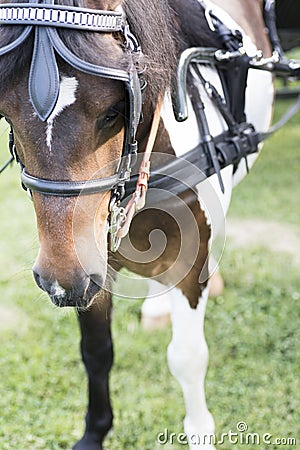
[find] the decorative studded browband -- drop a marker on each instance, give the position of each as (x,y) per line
(60,16)
(43,19)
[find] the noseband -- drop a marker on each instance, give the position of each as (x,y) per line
(43,19)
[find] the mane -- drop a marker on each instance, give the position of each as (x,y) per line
(164,28)
(155,24)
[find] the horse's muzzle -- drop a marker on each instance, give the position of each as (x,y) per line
(80,295)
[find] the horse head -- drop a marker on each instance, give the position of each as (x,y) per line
(73,118)
(81,138)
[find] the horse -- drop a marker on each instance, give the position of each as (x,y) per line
(82,82)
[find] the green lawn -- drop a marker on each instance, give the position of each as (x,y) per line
(252,331)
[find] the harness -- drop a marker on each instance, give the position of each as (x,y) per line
(241,139)
(210,156)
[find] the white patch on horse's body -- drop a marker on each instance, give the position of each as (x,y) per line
(212,201)
(258,108)
(66,97)
(162,307)
(184,136)
(188,360)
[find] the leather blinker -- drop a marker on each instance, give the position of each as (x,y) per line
(44,75)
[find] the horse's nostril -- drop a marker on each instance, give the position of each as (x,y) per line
(78,294)
(37,279)
(42,284)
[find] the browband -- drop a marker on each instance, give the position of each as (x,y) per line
(61,16)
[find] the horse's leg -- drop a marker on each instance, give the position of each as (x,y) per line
(97,355)
(216,283)
(188,359)
(156,307)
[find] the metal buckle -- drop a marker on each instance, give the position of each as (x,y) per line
(209,19)
(117,219)
(130,39)
(260,62)
(222,55)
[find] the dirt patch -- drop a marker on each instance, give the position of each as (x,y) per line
(275,236)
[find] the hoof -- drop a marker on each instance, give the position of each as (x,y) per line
(87,443)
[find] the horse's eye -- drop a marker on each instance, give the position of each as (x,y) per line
(111,116)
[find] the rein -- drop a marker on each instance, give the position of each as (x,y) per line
(5,165)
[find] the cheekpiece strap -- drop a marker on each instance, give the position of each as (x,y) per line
(61,16)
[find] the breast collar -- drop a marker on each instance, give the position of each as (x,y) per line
(43,19)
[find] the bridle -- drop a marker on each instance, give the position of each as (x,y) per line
(43,19)
(211,155)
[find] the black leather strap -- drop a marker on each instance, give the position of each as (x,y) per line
(80,64)
(177,175)
(69,188)
(9,47)
(5,165)
(44,76)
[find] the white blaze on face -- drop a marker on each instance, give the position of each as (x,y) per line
(66,97)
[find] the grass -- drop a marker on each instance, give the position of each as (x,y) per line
(252,331)
(272,190)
